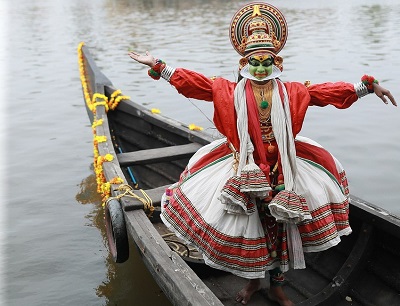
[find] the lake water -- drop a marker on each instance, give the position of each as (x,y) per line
(53,239)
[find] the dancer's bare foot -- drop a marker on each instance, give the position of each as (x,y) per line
(245,294)
(277,294)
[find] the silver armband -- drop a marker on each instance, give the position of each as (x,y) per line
(167,73)
(361,89)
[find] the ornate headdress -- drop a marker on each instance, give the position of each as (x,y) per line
(258,27)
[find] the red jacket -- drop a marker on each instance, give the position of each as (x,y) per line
(221,91)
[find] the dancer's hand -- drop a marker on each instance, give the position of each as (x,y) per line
(382,93)
(147,59)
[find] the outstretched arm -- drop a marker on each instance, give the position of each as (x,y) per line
(188,83)
(146,59)
(382,93)
(343,95)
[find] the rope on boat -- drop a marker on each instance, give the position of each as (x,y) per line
(127,191)
(175,246)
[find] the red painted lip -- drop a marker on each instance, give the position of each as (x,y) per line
(260,74)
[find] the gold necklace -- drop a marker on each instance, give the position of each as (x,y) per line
(263,96)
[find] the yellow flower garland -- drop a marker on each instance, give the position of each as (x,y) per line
(97,99)
(194,127)
(155,111)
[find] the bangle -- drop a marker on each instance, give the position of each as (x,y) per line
(155,71)
(369,81)
(360,89)
(167,73)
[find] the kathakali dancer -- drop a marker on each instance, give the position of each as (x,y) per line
(257,199)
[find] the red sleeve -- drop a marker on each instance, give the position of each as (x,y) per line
(192,84)
(339,94)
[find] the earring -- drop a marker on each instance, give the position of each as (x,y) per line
(243,62)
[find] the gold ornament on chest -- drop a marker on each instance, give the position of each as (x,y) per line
(263,96)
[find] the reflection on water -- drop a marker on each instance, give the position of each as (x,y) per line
(88,191)
(125,282)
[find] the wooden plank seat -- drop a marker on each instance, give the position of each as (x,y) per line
(165,154)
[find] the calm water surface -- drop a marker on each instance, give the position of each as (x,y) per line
(54,247)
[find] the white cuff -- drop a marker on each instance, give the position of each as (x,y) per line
(167,73)
(361,89)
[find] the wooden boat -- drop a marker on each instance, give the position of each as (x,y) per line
(151,151)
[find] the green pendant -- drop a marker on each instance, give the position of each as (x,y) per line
(264,104)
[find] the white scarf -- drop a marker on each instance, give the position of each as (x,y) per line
(246,146)
(282,128)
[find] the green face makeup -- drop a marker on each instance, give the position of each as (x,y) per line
(260,66)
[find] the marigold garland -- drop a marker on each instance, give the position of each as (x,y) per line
(116,97)
(100,138)
(116,180)
(97,122)
(91,101)
(194,127)
(97,99)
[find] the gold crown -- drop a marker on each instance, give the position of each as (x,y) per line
(261,38)
(258,27)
